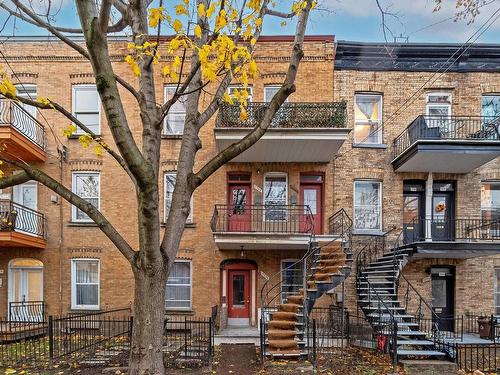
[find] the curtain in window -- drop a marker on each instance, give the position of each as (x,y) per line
(87,283)
(275,194)
(367,205)
(86,187)
(179,286)
(367,119)
(175,119)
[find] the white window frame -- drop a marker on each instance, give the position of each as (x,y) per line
(189,219)
(368,230)
(437,105)
(166,96)
(380,130)
(74,306)
(74,209)
(190,286)
(23,91)
(283,297)
(74,89)
(239,87)
(266,99)
(275,174)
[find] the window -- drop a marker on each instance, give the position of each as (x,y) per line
(490,200)
(86,186)
(27,91)
(368,119)
(291,277)
(275,194)
(169,186)
(175,119)
(438,105)
(269,92)
(86,107)
(85,284)
(490,105)
(367,205)
(231,91)
(178,293)
(496,293)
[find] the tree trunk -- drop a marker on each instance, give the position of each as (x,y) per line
(146,352)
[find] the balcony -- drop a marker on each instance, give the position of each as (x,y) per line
(455,144)
(453,238)
(21,226)
(20,133)
(299,132)
(261,227)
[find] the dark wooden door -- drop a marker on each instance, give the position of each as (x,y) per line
(239,211)
(443,223)
(413,208)
(443,302)
(238,294)
(312,195)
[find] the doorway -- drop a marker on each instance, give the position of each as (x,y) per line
(413,211)
(25,195)
(443,299)
(443,212)
(311,194)
(239,294)
(25,285)
(239,203)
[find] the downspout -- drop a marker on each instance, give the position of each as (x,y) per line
(428,207)
(62,159)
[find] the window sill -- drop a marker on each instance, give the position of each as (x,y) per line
(368,232)
(81,310)
(171,136)
(382,146)
(76,136)
(179,312)
(187,225)
(82,224)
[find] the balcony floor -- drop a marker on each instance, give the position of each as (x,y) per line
(455,249)
(17,144)
(266,241)
(18,239)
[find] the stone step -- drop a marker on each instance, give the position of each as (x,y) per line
(428,367)
(427,353)
(415,342)
(411,333)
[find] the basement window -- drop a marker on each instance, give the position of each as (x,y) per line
(178,293)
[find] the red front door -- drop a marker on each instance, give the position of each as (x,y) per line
(311,195)
(239,214)
(238,294)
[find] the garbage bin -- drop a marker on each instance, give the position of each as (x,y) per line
(484,327)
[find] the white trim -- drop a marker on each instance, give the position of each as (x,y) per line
(165,98)
(17,193)
(74,89)
(266,99)
(74,209)
(74,306)
(276,174)
(380,121)
(380,200)
(190,286)
(189,219)
(437,105)
(253,296)
(10,291)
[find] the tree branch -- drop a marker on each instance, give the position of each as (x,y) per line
(104,15)
(107,228)
(15,179)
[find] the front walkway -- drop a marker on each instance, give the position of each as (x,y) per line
(238,335)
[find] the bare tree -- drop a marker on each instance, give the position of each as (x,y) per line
(219,38)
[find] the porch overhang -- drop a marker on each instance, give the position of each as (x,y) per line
(266,241)
(455,249)
(451,156)
(13,239)
(283,145)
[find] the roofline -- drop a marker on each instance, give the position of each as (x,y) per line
(411,44)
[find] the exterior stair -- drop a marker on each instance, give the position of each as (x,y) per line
(376,285)
(326,266)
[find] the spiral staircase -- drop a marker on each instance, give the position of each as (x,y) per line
(284,321)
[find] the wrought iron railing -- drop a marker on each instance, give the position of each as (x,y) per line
(446,128)
(14,217)
(289,116)
(279,218)
(458,229)
(13,114)
(27,311)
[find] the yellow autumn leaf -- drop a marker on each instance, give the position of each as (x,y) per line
(133,64)
(197,31)
(155,16)
(69,131)
(99,151)
(252,68)
(221,20)
(166,70)
(243,114)
(177,62)
(253,41)
(10,371)
(177,25)
(85,140)
(211,9)
(201,10)
(181,9)
(7,88)
(227,98)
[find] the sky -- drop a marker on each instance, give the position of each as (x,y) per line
(357,20)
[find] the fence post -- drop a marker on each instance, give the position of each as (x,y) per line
(185,337)
(314,342)
(51,337)
(395,345)
(210,342)
(130,328)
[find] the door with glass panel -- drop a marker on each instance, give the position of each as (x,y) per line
(239,294)
(23,120)
(439,122)
(26,290)
(443,224)
(239,209)
(311,196)
(413,211)
(25,198)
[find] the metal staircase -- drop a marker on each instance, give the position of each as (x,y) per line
(405,323)
(284,319)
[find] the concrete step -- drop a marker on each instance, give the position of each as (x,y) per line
(382,308)
(427,353)
(411,333)
(415,342)
(428,367)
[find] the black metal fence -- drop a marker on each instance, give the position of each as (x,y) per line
(15,217)
(90,338)
(13,114)
(271,218)
(27,311)
(472,357)
(471,128)
(290,115)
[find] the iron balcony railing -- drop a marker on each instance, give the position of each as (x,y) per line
(460,229)
(446,128)
(279,218)
(12,114)
(289,116)
(14,217)
(27,311)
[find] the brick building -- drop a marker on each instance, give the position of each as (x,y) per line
(313,162)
